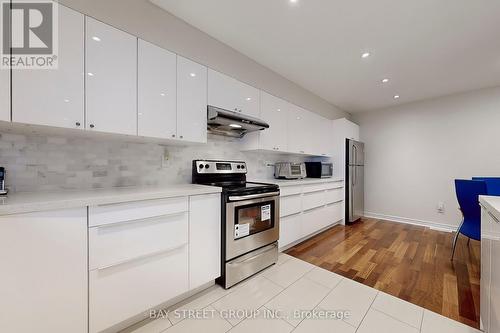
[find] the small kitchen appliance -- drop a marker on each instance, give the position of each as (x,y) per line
(319,170)
(3,190)
(289,170)
(250,219)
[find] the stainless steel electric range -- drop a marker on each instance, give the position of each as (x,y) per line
(250,219)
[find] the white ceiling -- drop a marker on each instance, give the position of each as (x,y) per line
(427,48)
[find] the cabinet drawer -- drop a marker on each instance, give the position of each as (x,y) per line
(314,188)
(290,190)
(332,185)
(290,229)
(334,195)
(111,244)
(120,292)
(335,212)
(116,213)
(313,199)
(291,204)
(313,220)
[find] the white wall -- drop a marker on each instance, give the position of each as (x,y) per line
(415,151)
(145,20)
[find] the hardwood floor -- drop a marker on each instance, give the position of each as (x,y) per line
(409,262)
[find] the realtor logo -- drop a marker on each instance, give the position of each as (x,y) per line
(29,35)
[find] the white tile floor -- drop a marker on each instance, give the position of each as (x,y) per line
(292,285)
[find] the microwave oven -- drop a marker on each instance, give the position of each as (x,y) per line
(319,170)
(289,170)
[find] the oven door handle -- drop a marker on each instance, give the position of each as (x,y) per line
(252,196)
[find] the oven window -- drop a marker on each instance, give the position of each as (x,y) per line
(254,218)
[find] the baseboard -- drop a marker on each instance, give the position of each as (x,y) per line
(422,223)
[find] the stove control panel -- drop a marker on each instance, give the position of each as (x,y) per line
(220,166)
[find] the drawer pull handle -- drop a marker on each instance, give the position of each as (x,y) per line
(144,256)
(145,219)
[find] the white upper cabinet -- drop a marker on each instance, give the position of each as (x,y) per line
(54,97)
(191,101)
(298,136)
(4,95)
(274,112)
(230,94)
(111,79)
(157,91)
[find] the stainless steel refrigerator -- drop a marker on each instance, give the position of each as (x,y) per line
(355,175)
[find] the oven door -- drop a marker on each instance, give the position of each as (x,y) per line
(252,221)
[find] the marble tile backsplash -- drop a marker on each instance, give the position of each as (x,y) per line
(36,162)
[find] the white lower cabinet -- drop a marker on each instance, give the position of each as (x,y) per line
(490,272)
(204,239)
(305,210)
(120,292)
(145,253)
(43,283)
(290,229)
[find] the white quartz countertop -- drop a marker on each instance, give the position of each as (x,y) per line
(296,182)
(492,204)
(25,202)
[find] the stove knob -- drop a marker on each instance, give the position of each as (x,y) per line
(201,166)
(243,166)
(207,166)
(237,167)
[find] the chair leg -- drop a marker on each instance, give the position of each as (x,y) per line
(468,241)
(455,241)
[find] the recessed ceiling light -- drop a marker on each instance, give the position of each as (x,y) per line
(298,118)
(90,74)
(385,80)
(396,96)
(162,94)
(249,98)
(235,125)
(278,110)
(294,1)
(66,100)
(192,74)
(365,55)
(97,39)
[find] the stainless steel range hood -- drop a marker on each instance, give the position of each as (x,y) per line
(230,123)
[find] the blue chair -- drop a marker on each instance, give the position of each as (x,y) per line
(468,192)
(492,184)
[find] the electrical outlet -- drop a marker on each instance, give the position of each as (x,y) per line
(440,207)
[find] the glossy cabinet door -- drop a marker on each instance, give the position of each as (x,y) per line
(191,101)
(230,94)
(157,91)
(111,79)
(297,130)
(485,283)
(54,97)
(274,111)
(4,95)
(44,267)
(204,239)
(495,275)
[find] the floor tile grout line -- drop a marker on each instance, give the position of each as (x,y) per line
(331,290)
(371,304)
(395,318)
